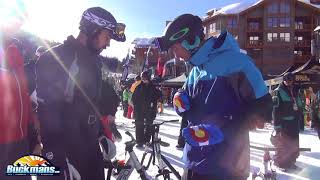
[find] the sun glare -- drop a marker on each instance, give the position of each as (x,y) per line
(54,20)
(11,11)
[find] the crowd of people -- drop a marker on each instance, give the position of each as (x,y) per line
(58,105)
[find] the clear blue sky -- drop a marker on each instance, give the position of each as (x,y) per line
(57,19)
(149,16)
(146,18)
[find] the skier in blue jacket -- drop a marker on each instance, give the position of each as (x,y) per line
(224,96)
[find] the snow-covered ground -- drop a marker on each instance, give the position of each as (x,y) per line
(308,162)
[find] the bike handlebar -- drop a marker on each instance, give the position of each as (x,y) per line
(158,124)
(274,149)
(131,136)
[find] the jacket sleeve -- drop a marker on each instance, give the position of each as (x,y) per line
(51,80)
(109,100)
(254,92)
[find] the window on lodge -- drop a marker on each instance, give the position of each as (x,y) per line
(282,22)
(272,37)
(212,28)
(254,25)
(272,22)
(285,37)
(254,40)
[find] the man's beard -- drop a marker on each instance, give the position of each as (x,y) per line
(92,48)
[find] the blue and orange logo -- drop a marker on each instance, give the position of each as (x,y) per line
(203,135)
(32,165)
(199,134)
(181,102)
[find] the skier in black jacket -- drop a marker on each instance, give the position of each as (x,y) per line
(69,81)
(144,101)
(286,122)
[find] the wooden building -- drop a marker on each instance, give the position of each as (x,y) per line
(275,33)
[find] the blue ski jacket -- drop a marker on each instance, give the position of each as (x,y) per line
(224,88)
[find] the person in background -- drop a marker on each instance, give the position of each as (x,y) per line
(173,92)
(125,99)
(144,100)
(308,98)
(19,130)
(130,106)
(286,123)
(136,83)
(132,89)
(301,110)
(181,141)
(160,102)
(316,113)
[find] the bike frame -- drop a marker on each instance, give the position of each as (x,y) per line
(132,163)
(154,150)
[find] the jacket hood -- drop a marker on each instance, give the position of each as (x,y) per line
(214,46)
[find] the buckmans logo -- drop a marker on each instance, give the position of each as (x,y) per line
(32,165)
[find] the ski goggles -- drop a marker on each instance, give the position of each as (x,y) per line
(118,32)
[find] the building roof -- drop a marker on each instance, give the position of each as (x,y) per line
(234,8)
(143,42)
(237,8)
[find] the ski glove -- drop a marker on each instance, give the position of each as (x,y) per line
(181,102)
(203,135)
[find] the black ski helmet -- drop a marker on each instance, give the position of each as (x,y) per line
(184,27)
(97,18)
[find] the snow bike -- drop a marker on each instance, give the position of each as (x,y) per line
(153,148)
(122,170)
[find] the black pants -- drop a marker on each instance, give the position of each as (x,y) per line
(80,146)
(125,108)
(194,176)
(9,153)
(301,122)
(143,132)
(184,124)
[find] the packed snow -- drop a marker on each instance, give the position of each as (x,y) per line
(308,162)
